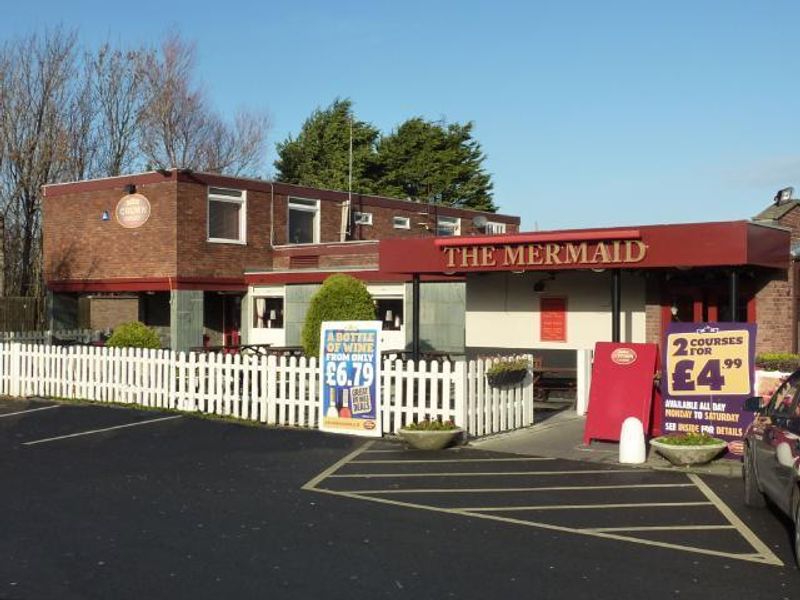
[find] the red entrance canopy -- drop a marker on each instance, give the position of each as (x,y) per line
(731,243)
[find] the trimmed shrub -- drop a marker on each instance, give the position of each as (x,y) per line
(341,298)
(778,362)
(134,335)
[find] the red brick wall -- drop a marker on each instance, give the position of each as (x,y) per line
(197,257)
(173,242)
(774,311)
(78,244)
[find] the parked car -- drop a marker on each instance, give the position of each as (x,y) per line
(772,453)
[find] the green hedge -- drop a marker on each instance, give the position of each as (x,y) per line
(778,362)
(341,298)
(134,335)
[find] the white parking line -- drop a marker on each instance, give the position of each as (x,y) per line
(492,474)
(30,410)
(93,431)
(525,489)
(583,507)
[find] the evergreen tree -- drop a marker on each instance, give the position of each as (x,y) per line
(319,156)
(430,161)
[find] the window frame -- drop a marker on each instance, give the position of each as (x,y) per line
(357,215)
(407,221)
(316,210)
(455,220)
(491,225)
(269,295)
(241,201)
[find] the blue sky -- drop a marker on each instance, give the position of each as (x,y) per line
(591,113)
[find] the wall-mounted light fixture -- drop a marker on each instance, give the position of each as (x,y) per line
(130,188)
(105,216)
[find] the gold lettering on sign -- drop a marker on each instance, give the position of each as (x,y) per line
(635,251)
(535,254)
(467,255)
(513,256)
(450,254)
(576,254)
(601,254)
(487,256)
(552,251)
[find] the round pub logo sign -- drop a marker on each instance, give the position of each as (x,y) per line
(133,211)
(624,356)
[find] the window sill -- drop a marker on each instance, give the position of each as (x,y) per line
(223,241)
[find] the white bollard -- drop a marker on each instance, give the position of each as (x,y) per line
(631,442)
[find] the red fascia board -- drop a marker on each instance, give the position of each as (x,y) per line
(287,277)
(533,238)
(152,284)
(727,243)
(108,183)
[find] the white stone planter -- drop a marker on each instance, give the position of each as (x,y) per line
(688,455)
(429,440)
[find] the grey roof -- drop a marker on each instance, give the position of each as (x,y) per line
(775,212)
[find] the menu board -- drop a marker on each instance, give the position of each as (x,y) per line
(708,374)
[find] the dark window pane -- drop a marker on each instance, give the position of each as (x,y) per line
(223,220)
(301,227)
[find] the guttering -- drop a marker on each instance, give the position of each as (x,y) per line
(530,238)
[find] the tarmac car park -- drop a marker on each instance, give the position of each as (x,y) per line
(103,502)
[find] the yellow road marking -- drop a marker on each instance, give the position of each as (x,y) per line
(763,554)
(491,474)
(447,460)
(560,488)
(311,485)
(663,527)
(734,520)
(582,507)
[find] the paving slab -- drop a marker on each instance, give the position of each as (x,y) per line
(561,436)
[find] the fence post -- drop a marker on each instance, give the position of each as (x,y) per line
(15,359)
(460,379)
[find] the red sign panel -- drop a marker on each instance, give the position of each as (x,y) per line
(622,387)
(553,325)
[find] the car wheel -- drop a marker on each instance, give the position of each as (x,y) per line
(752,495)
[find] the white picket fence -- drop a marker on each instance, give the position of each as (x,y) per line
(83,336)
(269,389)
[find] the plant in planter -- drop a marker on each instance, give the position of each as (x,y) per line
(507,371)
(430,435)
(688,448)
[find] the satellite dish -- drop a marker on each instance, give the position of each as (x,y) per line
(479,221)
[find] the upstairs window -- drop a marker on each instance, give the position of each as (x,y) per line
(226,215)
(362,218)
(493,227)
(448,226)
(303,222)
(401,222)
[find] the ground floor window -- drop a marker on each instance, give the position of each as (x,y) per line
(268,313)
(390,312)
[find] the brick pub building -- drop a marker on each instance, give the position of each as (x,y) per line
(221,260)
(233,260)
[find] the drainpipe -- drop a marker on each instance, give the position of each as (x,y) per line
(615,304)
(734,295)
(415,316)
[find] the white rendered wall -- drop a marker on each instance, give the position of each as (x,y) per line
(503,309)
(390,340)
